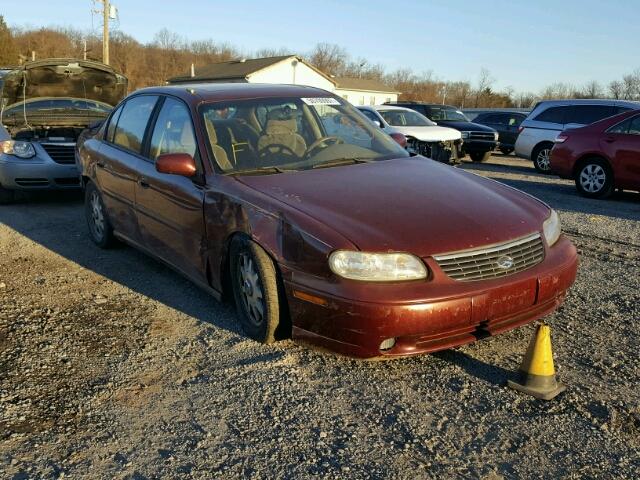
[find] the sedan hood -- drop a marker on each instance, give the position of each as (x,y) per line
(430,134)
(411,205)
(466,126)
(63,77)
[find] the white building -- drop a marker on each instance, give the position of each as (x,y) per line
(291,69)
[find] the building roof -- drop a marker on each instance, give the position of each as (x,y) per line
(363,84)
(237,70)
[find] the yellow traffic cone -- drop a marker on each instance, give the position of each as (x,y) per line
(538,376)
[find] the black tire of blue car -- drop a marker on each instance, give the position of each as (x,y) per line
(6,196)
(594,178)
(100,229)
(479,156)
(506,151)
(255,290)
(541,157)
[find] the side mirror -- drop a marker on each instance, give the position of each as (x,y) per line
(377,123)
(181,164)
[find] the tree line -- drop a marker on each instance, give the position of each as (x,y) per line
(169,54)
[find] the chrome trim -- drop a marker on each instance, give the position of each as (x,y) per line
(482,250)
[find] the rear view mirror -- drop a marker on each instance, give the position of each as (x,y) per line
(181,164)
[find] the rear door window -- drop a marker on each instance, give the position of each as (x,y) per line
(133,121)
(552,115)
(111,129)
(587,114)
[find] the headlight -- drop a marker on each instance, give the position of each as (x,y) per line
(465,134)
(19,149)
(551,228)
(377,267)
(495,136)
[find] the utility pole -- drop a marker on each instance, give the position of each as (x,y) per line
(105,31)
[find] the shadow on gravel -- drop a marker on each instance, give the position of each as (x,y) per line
(56,221)
(484,371)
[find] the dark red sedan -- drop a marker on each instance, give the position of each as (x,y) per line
(602,156)
(318,224)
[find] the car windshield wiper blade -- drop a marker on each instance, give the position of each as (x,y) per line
(341,161)
(258,170)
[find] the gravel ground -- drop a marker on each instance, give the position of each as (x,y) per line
(113,366)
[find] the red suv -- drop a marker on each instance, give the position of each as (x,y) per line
(602,156)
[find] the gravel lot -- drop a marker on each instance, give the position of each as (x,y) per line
(113,366)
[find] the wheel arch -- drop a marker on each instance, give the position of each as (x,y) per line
(592,156)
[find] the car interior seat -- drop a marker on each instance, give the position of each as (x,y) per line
(217,138)
(281,135)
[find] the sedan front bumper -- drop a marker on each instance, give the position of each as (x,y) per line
(36,174)
(467,312)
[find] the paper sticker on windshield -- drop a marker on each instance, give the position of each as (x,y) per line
(321,101)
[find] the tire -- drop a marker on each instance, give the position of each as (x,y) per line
(541,157)
(6,196)
(594,178)
(479,156)
(100,229)
(506,151)
(255,290)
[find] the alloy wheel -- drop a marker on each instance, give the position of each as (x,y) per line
(542,160)
(251,289)
(97,216)
(593,178)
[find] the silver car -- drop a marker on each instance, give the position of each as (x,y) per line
(44,107)
(548,118)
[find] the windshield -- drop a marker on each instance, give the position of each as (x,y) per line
(273,135)
(444,114)
(405,118)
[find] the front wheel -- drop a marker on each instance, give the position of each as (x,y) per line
(100,229)
(479,156)
(542,158)
(594,179)
(255,290)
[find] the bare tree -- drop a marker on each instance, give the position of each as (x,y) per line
(484,86)
(8,50)
(329,58)
(616,89)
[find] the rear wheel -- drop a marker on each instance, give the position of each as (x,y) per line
(479,156)
(506,151)
(6,196)
(100,229)
(255,290)
(542,157)
(594,179)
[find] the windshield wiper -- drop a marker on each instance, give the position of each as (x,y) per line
(341,161)
(259,170)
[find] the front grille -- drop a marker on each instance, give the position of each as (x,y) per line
(61,152)
(483,263)
(482,136)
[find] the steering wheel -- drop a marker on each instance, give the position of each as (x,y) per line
(323,141)
(275,149)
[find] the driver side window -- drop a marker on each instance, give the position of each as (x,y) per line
(173,132)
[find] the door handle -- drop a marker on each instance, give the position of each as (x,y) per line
(143,183)
(609,139)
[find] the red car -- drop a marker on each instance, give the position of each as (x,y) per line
(340,239)
(602,156)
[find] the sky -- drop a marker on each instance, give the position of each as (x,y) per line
(525,44)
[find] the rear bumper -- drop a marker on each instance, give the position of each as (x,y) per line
(357,328)
(562,161)
(37,174)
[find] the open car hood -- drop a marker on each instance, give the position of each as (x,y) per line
(63,77)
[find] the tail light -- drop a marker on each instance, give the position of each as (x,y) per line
(561,138)
(520,129)
(400,138)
